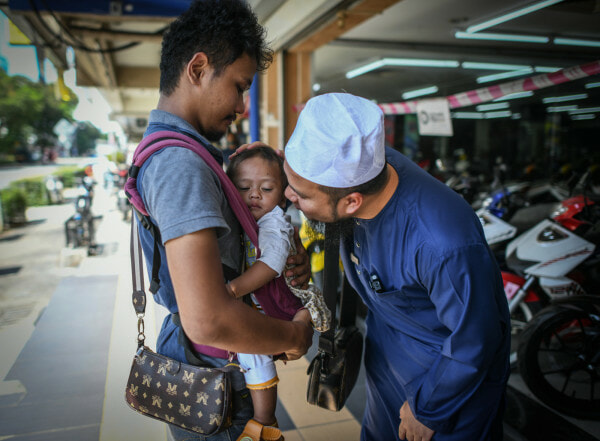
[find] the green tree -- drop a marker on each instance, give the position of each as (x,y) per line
(86,135)
(29,110)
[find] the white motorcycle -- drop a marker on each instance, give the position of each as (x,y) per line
(559,346)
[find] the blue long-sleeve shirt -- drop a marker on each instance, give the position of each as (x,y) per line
(440,327)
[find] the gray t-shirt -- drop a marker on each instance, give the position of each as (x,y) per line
(183,195)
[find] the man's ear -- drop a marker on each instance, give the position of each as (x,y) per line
(196,69)
(350,203)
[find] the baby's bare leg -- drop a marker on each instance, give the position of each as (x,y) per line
(264,401)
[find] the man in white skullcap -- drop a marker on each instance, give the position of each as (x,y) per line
(438,326)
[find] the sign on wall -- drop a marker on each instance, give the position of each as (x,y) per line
(434,117)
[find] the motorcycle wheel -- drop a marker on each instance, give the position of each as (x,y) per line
(559,360)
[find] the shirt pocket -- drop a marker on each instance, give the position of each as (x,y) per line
(393,299)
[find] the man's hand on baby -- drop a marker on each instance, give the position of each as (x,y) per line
(299,264)
(305,332)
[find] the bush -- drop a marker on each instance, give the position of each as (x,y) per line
(35,190)
(69,175)
(14,204)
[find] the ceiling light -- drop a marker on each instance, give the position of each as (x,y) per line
(316,87)
(467,115)
(485,107)
(592,85)
(577,42)
(516,116)
(419,63)
(500,76)
(562,99)
(588,110)
(560,108)
(414,62)
(512,15)
(419,92)
(513,96)
(502,37)
(584,116)
(502,114)
(493,66)
(546,69)
(364,69)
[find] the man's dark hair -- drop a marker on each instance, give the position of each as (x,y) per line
(223,29)
(369,187)
(264,152)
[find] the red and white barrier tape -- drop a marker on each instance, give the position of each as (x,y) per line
(499,90)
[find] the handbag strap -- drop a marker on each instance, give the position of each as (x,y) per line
(348,297)
(138,295)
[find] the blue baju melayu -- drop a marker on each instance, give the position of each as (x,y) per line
(438,329)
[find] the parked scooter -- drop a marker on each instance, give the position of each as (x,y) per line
(123,203)
(79,228)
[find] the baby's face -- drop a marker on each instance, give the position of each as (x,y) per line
(259,183)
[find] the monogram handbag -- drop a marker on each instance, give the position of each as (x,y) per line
(333,372)
(192,397)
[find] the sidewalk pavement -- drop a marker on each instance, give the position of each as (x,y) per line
(68,336)
(65,364)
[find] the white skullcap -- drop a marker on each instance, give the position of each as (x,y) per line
(338,141)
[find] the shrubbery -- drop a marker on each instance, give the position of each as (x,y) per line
(32,192)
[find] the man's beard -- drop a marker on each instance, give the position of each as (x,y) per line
(213,135)
(339,228)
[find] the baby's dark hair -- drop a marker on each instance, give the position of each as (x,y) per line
(223,29)
(264,152)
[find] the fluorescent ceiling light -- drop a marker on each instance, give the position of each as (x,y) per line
(467,115)
(419,63)
(561,108)
(502,37)
(419,92)
(585,116)
(493,66)
(364,69)
(512,15)
(502,114)
(577,42)
(592,85)
(513,96)
(562,99)
(546,69)
(588,110)
(500,76)
(486,107)
(414,62)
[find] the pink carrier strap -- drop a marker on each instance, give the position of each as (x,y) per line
(269,296)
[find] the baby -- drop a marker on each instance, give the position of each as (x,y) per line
(259,177)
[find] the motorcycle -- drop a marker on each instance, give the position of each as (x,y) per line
(79,228)
(553,268)
(123,204)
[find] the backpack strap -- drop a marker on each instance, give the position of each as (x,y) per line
(166,138)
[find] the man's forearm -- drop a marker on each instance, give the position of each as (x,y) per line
(210,316)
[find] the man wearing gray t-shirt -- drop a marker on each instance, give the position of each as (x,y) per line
(209,57)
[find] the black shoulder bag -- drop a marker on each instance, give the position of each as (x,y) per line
(334,370)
